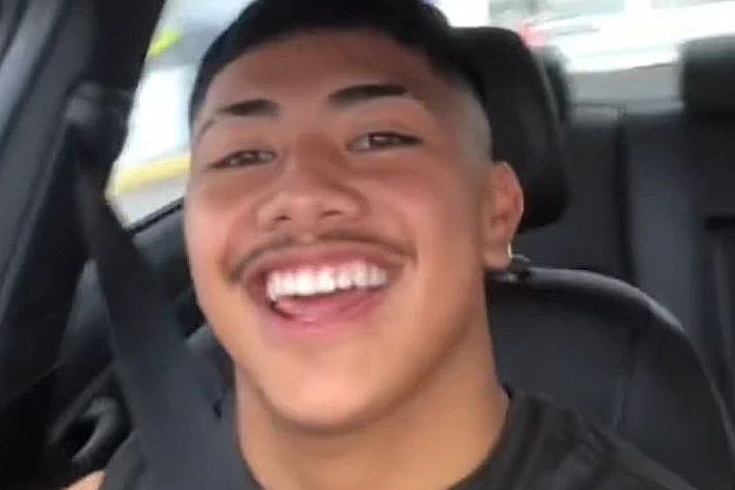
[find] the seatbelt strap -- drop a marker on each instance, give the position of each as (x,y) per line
(187,445)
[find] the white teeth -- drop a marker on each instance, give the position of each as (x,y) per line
(376,276)
(325,280)
(305,284)
(288,283)
(273,286)
(344,278)
(360,275)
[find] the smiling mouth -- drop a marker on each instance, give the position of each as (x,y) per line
(318,296)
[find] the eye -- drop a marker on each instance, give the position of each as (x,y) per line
(244,158)
(383,141)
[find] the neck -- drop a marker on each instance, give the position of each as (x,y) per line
(434,439)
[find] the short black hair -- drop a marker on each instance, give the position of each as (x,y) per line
(413,23)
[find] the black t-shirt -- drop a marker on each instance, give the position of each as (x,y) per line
(545,447)
(542,448)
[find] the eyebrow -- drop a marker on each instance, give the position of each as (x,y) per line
(243,108)
(358,94)
(341,99)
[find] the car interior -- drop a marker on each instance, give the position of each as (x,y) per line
(620,303)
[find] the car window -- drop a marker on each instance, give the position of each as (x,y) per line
(152,169)
(591,36)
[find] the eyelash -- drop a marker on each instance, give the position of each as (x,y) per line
(235,160)
(393,138)
(382,140)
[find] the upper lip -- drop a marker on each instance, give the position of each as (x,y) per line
(320,254)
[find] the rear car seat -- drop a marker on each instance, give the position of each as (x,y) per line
(650,201)
(682,206)
(598,345)
(592,343)
(591,235)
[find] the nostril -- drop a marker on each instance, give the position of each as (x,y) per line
(305,206)
(281,218)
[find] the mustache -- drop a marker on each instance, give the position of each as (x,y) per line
(293,241)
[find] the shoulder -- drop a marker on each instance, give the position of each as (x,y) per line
(591,456)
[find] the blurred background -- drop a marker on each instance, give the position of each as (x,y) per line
(596,39)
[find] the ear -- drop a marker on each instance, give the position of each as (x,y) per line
(502,212)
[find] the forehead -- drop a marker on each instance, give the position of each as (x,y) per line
(303,64)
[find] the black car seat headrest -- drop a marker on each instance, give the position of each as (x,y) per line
(708,75)
(554,68)
(526,129)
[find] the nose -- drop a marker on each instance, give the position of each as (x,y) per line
(311,188)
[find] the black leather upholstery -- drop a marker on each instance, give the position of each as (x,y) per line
(552,63)
(606,350)
(708,75)
(591,235)
(666,226)
(524,121)
(647,186)
(681,174)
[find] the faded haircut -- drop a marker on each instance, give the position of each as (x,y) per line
(413,23)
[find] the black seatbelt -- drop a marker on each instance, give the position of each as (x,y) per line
(170,393)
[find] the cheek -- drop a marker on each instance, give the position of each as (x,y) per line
(209,220)
(208,240)
(202,254)
(439,209)
(218,219)
(440,212)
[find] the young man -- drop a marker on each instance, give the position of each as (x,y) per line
(342,210)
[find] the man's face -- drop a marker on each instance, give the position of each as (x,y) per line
(341,210)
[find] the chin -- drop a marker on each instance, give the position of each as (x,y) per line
(327,416)
(324,410)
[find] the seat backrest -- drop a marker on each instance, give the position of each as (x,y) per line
(651,199)
(609,352)
(591,235)
(682,207)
